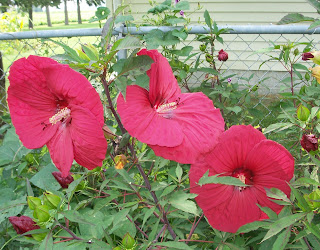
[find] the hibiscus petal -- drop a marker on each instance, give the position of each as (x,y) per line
(269,158)
(89,143)
(142,121)
(73,87)
(61,149)
(233,148)
(30,103)
(201,123)
(163,84)
(260,183)
(226,207)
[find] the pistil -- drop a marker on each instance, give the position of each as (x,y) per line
(61,115)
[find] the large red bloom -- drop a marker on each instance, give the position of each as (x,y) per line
(177,126)
(242,152)
(52,104)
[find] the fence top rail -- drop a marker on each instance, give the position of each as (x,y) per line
(193,29)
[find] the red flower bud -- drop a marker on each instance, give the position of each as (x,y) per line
(223,56)
(23,224)
(309,142)
(306,56)
(63,181)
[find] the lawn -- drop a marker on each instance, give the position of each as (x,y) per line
(57,20)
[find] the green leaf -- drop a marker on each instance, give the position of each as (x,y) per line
(102,13)
(69,51)
(314,25)
(182,34)
(174,245)
(185,51)
(277,194)
(75,216)
(306,181)
(176,20)
(122,19)
(216,179)
(128,42)
(253,226)
(235,109)
(294,18)
(168,190)
(182,5)
(282,240)
(91,52)
(207,19)
(156,38)
(179,172)
(142,63)
(47,243)
(301,200)
(120,9)
(44,179)
(181,201)
(147,215)
(271,214)
(278,127)
(208,70)
(315,4)
(282,223)
(160,7)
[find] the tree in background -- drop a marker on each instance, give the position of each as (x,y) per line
(47,4)
(90,3)
(66,19)
(5,4)
(26,5)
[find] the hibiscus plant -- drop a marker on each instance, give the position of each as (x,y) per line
(104,152)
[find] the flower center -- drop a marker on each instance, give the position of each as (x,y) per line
(60,116)
(244,175)
(166,107)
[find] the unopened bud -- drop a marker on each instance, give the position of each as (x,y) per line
(42,213)
(303,113)
(51,200)
(309,142)
(23,224)
(222,56)
(33,202)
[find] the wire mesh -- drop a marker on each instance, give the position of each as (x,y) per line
(243,62)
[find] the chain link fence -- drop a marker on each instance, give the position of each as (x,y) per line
(249,68)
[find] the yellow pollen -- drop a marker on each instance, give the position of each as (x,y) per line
(242,178)
(62,114)
(167,107)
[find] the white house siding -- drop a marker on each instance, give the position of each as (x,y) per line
(248,12)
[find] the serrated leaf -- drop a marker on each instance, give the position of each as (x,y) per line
(253,226)
(207,19)
(282,223)
(307,181)
(140,62)
(216,179)
(294,18)
(147,215)
(122,19)
(75,216)
(282,240)
(179,172)
(185,51)
(277,194)
(128,42)
(278,127)
(271,214)
(44,178)
(47,243)
(181,201)
(182,5)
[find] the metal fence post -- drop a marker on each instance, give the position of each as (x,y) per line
(122,54)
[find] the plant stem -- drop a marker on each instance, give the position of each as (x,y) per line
(144,176)
(75,237)
(193,228)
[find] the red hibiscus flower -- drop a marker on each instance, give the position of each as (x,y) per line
(177,126)
(23,224)
(52,104)
(242,152)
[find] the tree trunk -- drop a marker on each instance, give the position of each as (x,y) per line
(48,16)
(66,19)
(30,11)
(79,12)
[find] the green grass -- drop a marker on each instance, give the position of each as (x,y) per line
(57,20)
